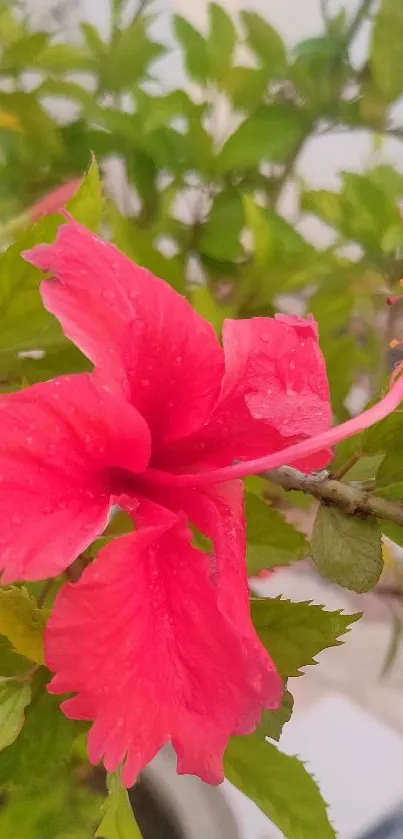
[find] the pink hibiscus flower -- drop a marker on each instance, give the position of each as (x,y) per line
(155,640)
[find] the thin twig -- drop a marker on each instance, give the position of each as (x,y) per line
(45,591)
(362,13)
(347,466)
(346,496)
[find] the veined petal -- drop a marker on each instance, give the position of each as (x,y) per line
(144,339)
(218,512)
(274,393)
(58,442)
(158,659)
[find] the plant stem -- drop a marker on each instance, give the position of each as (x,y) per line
(348,497)
(362,12)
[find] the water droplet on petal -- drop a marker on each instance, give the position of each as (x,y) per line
(29,440)
(16,520)
(292,365)
(145,382)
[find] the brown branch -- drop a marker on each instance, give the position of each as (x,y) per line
(348,497)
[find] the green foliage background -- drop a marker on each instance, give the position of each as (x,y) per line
(232,234)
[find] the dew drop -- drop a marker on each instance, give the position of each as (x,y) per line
(133,295)
(292,365)
(145,382)
(29,440)
(16,520)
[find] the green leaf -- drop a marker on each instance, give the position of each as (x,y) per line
(41,131)
(14,698)
(86,206)
(266,43)
(245,86)
(22,622)
(118,820)
(194,47)
(61,58)
(45,741)
(25,323)
(273,722)
(280,786)
(368,212)
(20,53)
(129,58)
(261,229)
(139,246)
(390,470)
(66,90)
(293,633)
(93,40)
(220,42)
(269,135)
(203,301)
(324,204)
(271,541)
(346,549)
(220,237)
(386,51)
(385,436)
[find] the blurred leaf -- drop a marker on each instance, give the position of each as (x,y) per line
(388,179)
(93,39)
(273,722)
(139,246)
(293,633)
(221,232)
(22,622)
(118,818)
(194,48)
(129,58)
(269,135)
(324,204)
(21,52)
(40,128)
(386,51)
(45,740)
(280,786)
(25,323)
(62,809)
(14,698)
(61,58)
(265,42)
(220,41)
(367,211)
(271,541)
(67,90)
(261,229)
(245,86)
(347,550)
(203,301)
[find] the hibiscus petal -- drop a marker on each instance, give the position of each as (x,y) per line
(142,336)
(274,393)
(218,512)
(58,440)
(158,658)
